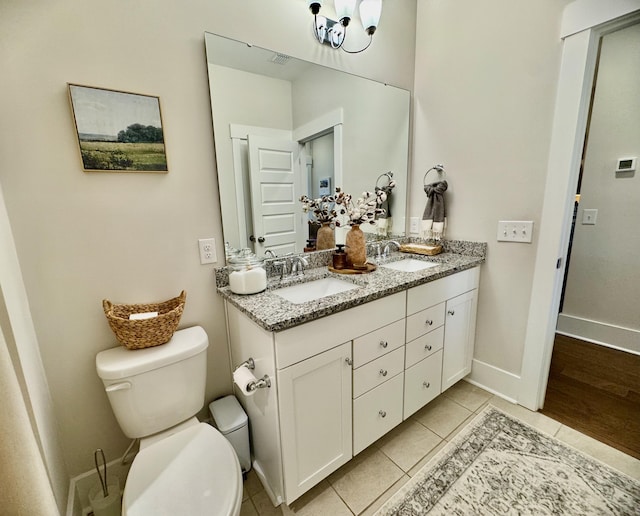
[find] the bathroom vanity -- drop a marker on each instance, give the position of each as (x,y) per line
(347,368)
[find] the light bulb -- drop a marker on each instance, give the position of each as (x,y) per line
(370,11)
(344,10)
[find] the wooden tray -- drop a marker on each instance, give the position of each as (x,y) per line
(370,268)
(428,250)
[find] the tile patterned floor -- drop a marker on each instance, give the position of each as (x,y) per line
(362,485)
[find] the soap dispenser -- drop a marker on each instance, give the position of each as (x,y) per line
(339,258)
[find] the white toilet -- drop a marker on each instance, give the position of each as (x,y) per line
(183,466)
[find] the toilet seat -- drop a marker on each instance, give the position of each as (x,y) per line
(194,471)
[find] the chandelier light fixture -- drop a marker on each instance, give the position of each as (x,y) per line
(334,33)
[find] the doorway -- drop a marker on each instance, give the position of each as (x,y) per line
(594,378)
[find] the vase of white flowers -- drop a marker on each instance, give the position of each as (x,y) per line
(322,210)
(361,211)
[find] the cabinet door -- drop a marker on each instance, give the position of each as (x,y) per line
(315,418)
(459,338)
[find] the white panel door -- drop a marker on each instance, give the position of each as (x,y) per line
(276,186)
(459,338)
(315,418)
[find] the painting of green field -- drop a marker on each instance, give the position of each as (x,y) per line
(97,155)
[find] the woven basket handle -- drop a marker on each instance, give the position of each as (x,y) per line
(106,305)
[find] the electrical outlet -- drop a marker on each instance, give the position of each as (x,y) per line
(207,247)
(515,231)
(414,225)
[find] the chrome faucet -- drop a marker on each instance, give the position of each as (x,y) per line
(378,251)
(281,265)
(387,250)
(298,263)
(270,253)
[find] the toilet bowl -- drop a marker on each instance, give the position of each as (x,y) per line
(184,467)
(194,471)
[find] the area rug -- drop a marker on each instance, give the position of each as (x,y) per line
(499,465)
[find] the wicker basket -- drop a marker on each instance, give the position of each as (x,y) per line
(145,333)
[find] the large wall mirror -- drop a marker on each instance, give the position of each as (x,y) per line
(284,127)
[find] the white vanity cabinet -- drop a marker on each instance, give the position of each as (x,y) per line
(341,382)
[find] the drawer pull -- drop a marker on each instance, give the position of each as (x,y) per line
(429,322)
(348,361)
(382,413)
(426,385)
(451,312)
(428,347)
(383,372)
(384,343)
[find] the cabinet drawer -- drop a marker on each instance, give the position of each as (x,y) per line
(422,383)
(378,371)
(429,294)
(424,321)
(377,412)
(424,346)
(377,343)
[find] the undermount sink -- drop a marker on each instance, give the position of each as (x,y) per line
(312,290)
(409,265)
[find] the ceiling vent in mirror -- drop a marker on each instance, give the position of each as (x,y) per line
(280,59)
(334,33)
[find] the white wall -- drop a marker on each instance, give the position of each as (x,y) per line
(83,237)
(485,87)
(603,280)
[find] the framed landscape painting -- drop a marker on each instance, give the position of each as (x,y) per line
(118,131)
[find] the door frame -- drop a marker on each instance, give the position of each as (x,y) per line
(584,22)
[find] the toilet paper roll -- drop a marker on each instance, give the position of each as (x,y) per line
(243,377)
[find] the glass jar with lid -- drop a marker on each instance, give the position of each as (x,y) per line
(246,273)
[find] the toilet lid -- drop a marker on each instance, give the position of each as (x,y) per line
(194,471)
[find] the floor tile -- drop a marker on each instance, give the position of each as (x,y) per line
(321,500)
(408,443)
(247,508)
(425,460)
(385,496)
(467,395)
(252,484)
(535,419)
(263,505)
(362,480)
(600,451)
(442,416)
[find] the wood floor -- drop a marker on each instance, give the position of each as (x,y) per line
(596,390)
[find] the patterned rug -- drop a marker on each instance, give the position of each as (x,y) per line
(499,465)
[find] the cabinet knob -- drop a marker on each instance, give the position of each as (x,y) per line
(383,372)
(428,347)
(426,385)
(384,343)
(428,322)
(451,312)
(382,413)
(348,361)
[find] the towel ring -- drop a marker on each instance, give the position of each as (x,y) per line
(439,169)
(388,175)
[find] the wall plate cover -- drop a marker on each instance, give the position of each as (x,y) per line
(207,248)
(589,217)
(515,231)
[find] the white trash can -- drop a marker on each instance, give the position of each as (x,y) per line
(232,422)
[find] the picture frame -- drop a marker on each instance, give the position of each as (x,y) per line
(118,131)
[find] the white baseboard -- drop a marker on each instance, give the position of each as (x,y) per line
(495,380)
(79,486)
(596,332)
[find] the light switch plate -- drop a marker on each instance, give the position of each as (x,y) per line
(207,247)
(515,231)
(414,225)
(589,217)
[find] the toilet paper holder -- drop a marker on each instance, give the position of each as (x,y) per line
(262,383)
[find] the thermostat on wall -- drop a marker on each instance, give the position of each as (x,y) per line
(626,165)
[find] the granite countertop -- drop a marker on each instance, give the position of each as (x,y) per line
(274,313)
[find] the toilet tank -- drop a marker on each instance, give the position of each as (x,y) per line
(153,389)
